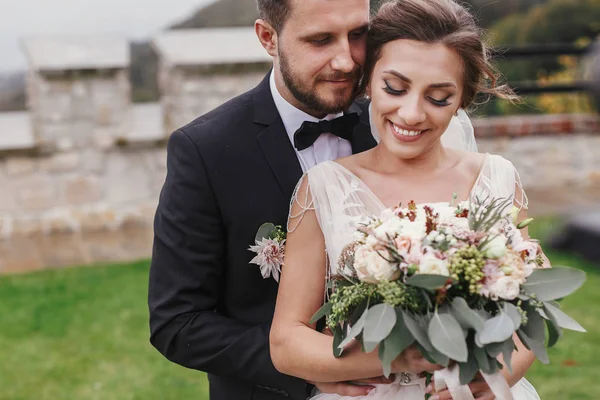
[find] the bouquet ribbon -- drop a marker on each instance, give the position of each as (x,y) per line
(449,378)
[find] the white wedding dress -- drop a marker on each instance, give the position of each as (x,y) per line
(341,201)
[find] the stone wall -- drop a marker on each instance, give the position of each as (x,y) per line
(188,92)
(548,161)
(79,108)
(90,182)
(80,191)
(558,150)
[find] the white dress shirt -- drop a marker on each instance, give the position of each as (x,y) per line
(326,147)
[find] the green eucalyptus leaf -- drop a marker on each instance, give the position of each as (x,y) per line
(554,332)
(338,337)
(534,345)
(554,283)
(468,370)
(561,319)
(355,330)
(496,330)
(265,231)
(397,341)
(483,361)
(513,312)
(507,352)
(418,325)
(358,311)
(447,337)
(379,322)
(321,312)
(533,334)
(429,282)
(467,317)
(495,349)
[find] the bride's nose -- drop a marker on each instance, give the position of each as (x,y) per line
(411,111)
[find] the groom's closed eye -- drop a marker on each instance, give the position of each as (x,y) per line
(358,33)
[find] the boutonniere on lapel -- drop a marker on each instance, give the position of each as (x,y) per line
(269,247)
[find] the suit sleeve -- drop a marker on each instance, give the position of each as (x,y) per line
(186,274)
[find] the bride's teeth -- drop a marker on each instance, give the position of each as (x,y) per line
(405,132)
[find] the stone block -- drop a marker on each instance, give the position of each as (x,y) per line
(59,222)
(35,193)
(127,178)
(6,226)
(104,138)
(62,250)
(82,190)
(7,192)
(19,166)
(19,255)
(55,106)
(93,160)
(26,226)
(60,162)
(96,219)
(64,136)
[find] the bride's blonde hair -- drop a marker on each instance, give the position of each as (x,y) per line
(437,21)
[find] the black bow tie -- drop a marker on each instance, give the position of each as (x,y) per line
(309,132)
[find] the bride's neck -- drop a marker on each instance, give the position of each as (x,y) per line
(390,163)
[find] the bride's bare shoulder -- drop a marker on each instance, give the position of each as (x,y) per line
(469,163)
(353,162)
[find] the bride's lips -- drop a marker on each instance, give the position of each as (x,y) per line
(404,134)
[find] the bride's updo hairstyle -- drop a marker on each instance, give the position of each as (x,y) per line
(437,21)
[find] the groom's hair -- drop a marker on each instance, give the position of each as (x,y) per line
(275,12)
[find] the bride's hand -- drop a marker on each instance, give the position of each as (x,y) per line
(412,361)
(351,389)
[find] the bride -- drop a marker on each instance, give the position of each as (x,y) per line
(426,60)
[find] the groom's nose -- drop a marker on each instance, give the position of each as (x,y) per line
(342,60)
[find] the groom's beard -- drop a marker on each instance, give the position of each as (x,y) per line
(309,96)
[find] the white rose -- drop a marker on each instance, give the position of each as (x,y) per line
(372,268)
(496,248)
(391,227)
(432,265)
(415,230)
(380,269)
(506,288)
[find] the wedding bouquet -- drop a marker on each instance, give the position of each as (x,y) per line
(456,280)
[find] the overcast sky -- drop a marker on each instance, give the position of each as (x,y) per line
(132,18)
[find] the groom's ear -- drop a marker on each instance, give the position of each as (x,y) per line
(267,36)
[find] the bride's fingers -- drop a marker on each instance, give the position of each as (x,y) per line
(348,389)
(375,381)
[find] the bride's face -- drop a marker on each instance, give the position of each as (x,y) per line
(415,90)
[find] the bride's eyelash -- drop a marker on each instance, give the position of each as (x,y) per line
(440,103)
(388,89)
(394,92)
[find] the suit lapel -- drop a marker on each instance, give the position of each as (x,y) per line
(274,142)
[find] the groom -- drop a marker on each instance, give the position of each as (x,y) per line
(235,168)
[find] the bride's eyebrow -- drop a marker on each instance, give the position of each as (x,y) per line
(397,75)
(440,85)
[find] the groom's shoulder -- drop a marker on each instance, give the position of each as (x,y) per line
(223,120)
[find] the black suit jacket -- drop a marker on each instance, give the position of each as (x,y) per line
(228,172)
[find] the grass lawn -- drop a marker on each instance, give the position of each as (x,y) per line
(82,333)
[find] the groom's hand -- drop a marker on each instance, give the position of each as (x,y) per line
(352,389)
